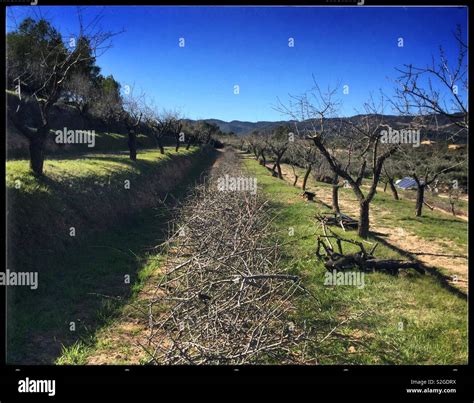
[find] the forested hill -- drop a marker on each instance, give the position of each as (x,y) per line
(440,125)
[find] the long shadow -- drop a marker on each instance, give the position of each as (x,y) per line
(443,279)
(68,307)
(81,183)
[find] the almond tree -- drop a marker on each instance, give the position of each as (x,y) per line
(359,137)
(388,176)
(429,94)
(252,143)
(176,129)
(278,141)
(437,89)
(130,116)
(258,146)
(307,156)
(39,63)
(192,134)
(427,164)
(207,130)
(158,124)
(262,147)
(293,158)
(80,93)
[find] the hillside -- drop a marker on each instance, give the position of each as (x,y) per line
(441,126)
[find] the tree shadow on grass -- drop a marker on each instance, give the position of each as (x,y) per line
(73,300)
(442,279)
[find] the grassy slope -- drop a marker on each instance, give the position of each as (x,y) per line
(433,321)
(104,142)
(78,192)
(91,167)
(69,280)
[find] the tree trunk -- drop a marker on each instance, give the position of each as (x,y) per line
(393,189)
(335,199)
(132,144)
(452,208)
(420,197)
(306,176)
(280,175)
(37,151)
(160,145)
(296,177)
(335,194)
(363,227)
(385,187)
(190,141)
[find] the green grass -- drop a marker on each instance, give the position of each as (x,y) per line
(85,193)
(71,287)
(74,280)
(106,142)
(433,225)
(92,167)
(434,321)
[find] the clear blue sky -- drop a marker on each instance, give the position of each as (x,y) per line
(248,46)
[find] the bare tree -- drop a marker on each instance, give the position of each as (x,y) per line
(131,115)
(389,173)
(278,141)
(307,156)
(176,128)
(261,146)
(159,125)
(252,141)
(40,64)
(429,94)
(426,164)
(192,134)
(293,158)
(360,137)
(439,89)
(80,93)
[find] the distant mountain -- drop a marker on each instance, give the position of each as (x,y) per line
(241,128)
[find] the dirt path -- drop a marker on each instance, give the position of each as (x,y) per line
(430,253)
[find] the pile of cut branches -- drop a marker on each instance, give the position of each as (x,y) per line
(364,260)
(227,299)
(339,219)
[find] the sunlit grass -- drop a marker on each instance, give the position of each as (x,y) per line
(405,319)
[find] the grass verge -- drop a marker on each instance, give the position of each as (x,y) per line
(84,284)
(406,319)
